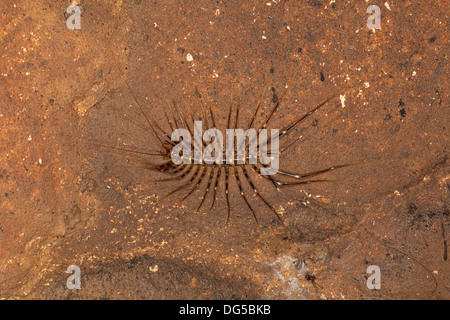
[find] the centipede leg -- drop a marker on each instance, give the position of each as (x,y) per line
(210,179)
(241,191)
(249,180)
(182,170)
(216,182)
(196,171)
(202,174)
(227,194)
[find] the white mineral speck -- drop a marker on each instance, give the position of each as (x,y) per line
(342,98)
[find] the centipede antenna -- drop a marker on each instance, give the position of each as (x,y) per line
(183,119)
(191,116)
(205,116)
(168,120)
(199,96)
(173,115)
(134,121)
(210,110)
(142,160)
(139,166)
(169,139)
(185,122)
(136,158)
(125,150)
(148,119)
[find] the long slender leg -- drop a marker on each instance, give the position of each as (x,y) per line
(282,183)
(291,144)
(210,179)
(277,105)
(178,168)
(217,179)
(247,176)
(280,100)
(241,191)
(183,119)
(186,184)
(199,180)
(279,183)
(258,105)
(303,201)
(227,193)
(185,122)
(205,117)
(219,171)
(318,172)
(306,115)
(183,169)
(290,126)
(237,109)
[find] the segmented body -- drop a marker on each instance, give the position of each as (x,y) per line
(192,174)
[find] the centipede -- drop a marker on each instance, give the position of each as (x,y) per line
(213,179)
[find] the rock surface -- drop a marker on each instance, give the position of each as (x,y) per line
(66,201)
